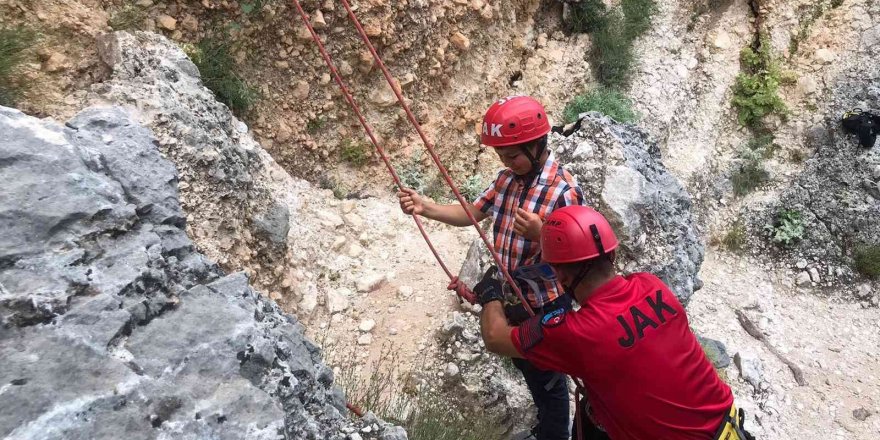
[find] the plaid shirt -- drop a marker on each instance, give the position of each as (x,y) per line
(553,188)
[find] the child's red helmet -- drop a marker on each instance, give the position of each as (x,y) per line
(514,120)
(576,233)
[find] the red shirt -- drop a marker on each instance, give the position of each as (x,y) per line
(645,375)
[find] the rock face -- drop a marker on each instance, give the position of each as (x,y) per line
(622,175)
(838,193)
(111,325)
(234,213)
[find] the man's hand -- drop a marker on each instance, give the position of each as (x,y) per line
(411,202)
(527,224)
(489,289)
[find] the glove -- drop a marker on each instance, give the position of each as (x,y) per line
(489,289)
(462,290)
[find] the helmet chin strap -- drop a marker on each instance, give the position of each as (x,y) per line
(585,270)
(535,159)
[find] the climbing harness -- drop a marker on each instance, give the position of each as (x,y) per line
(350,99)
(733,426)
(865,125)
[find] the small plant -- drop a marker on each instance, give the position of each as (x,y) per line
(412,176)
(603,100)
(756,90)
(867,259)
(14,42)
(315,124)
(129,17)
(735,239)
(472,187)
(213,58)
(354,153)
(749,172)
(763,145)
(787,227)
(253,6)
(797,155)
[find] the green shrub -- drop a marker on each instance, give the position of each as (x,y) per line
(128,17)
(787,227)
(213,58)
(412,176)
(735,239)
(14,42)
(868,260)
(756,90)
(355,153)
(603,100)
(748,173)
(587,16)
(472,187)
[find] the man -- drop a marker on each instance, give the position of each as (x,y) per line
(628,347)
(531,186)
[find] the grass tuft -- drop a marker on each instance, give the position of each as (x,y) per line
(603,100)
(587,16)
(213,58)
(14,42)
(735,239)
(867,259)
(128,17)
(749,173)
(425,412)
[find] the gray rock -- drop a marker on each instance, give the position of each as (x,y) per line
(111,326)
(802,278)
(836,193)
(274,223)
(622,175)
(861,414)
(394,433)
(715,351)
(750,369)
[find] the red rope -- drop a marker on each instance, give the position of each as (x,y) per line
(368,129)
(435,158)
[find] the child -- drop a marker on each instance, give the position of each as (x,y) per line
(531,186)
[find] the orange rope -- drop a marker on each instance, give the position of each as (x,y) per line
(436,159)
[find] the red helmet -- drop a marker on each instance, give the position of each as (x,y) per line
(514,120)
(576,233)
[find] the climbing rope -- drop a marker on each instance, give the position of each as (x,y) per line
(430,148)
(348,97)
(412,119)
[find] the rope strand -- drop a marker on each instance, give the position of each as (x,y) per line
(435,158)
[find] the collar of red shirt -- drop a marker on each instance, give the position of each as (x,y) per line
(612,286)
